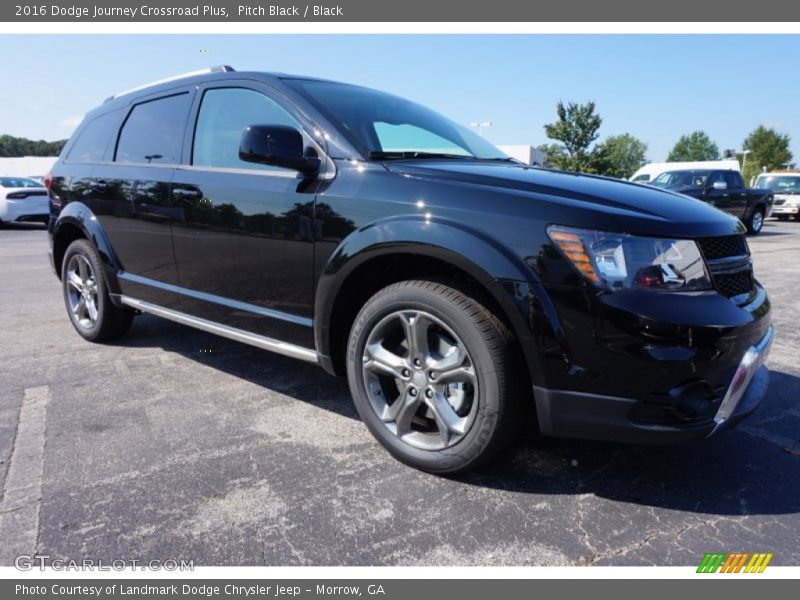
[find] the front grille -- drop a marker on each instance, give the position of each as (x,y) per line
(778,201)
(723,247)
(730,277)
(734,284)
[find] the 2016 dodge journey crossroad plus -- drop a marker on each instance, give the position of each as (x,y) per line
(464,295)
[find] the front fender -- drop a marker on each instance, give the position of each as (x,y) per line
(77,214)
(487,261)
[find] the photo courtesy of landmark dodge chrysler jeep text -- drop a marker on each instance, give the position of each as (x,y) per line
(463,294)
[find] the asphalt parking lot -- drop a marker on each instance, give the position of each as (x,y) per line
(174,444)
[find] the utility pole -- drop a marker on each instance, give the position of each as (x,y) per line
(479,125)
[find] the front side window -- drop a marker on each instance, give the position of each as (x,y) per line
(718,178)
(681,179)
(153,131)
(224,115)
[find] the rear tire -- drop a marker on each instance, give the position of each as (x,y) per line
(433,376)
(85,290)
(756,221)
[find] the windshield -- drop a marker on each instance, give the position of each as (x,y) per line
(680,179)
(19,182)
(383,126)
(780,184)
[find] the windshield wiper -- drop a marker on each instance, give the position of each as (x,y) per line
(399,155)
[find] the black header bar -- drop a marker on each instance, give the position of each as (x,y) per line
(443,11)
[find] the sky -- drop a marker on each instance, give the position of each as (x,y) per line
(655,87)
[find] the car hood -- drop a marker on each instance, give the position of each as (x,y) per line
(652,209)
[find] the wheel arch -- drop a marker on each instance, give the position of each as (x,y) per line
(77,221)
(401,248)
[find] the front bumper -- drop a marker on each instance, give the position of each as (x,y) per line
(584,415)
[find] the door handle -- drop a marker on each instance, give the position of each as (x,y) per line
(187,193)
(101,185)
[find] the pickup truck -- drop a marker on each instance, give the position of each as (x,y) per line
(723,189)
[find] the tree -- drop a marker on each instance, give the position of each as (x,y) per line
(575,129)
(695,146)
(16,146)
(619,156)
(750,169)
(768,148)
(553,154)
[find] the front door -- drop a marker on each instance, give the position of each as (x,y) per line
(244,245)
(726,192)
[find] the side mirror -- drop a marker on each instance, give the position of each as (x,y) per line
(719,185)
(276,145)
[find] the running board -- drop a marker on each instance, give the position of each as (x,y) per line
(238,335)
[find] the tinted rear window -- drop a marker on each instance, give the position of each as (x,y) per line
(93,139)
(19,182)
(153,131)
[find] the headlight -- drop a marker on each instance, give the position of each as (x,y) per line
(617,261)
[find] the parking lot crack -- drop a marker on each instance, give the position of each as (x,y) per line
(22,491)
(584,534)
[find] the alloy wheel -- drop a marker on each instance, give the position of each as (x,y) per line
(758,221)
(82,291)
(420,379)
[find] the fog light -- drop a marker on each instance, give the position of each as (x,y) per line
(693,400)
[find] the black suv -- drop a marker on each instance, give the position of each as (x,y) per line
(454,287)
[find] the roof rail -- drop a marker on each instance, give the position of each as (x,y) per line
(217,69)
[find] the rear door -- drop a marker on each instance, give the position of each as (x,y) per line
(133,195)
(244,247)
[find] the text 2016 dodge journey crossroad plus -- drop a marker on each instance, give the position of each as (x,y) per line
(453,286)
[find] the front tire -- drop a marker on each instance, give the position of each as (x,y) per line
(432,373)
(756,221)
(85,289)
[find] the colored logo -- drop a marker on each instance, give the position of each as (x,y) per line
(736,562)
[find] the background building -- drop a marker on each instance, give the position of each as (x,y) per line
(527,154)
(26,166)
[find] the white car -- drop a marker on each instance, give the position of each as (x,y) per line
(786,187)
(23,200)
